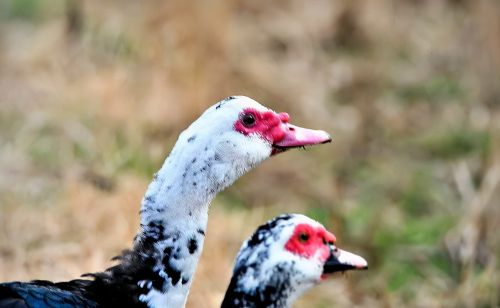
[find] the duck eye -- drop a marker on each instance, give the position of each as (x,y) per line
(303,237)
(248,120)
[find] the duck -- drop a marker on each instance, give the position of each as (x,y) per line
(229,139)
(284,258)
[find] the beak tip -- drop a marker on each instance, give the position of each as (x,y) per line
(362,263)
(328,140)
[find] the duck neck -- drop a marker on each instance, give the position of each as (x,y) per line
(267,290)
(178,196)
(174,216)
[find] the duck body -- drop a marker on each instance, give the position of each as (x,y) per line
(42,293)
(226,141)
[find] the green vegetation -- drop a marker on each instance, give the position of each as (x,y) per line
(93,94)
(455,144)
(434,90)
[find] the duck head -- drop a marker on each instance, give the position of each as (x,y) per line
(235,135)
(282,259)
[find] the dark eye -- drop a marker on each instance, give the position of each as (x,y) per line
(303,237)
(248,120)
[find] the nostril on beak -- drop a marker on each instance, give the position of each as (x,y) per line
(291,128)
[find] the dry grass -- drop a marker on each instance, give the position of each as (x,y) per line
(92,98)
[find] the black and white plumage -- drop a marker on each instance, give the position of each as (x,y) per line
(283,258)
(225,142)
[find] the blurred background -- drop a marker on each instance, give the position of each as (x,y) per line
(93,94)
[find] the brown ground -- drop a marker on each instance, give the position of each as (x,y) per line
(94,93)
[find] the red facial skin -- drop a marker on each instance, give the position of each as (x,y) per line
(317,242)
(267,124)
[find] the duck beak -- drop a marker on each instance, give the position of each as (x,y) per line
(296,137)
(341,260)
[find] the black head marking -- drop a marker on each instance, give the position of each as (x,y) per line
(192,138)
(200,231)
(221,103)
(266,229)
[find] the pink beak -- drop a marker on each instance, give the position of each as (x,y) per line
(296,136)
